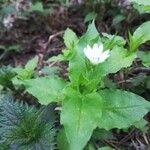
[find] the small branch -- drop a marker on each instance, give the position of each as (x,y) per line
(53,36)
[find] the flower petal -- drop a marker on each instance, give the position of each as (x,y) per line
(104,56)
(88,51)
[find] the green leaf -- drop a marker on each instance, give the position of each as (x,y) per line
(28,71)
(142,33)
(62,140)
(60,57)
(38,6)
(51,71)
(32,64)
(121,109)
(119,58)
(90,16)
(113,40)
(45,89)
(80,116)
(142,125)
(102,134)
(70,38)
(90,35)
(145,57)
(117,19)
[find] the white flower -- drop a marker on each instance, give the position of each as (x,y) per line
(96,54)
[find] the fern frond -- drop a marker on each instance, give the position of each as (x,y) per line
(26,127)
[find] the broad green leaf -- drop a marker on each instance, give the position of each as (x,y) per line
(45,89)
(80,117)
(121,109)
(142,33)
(145,57)
(119,58)
(70,38)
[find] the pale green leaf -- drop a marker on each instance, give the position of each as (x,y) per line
(142,125)
(142,33)
(70,38)
(145,57)
(27,72)
(119,58)
(60,57)
(45,89)
(90,16)
(80,117)
(32,64)
(121,109)
(89,36)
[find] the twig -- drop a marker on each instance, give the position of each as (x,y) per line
(111,144)
(53,36)
(131,133)
(145,139)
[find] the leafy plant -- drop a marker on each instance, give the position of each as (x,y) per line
(25,73)
(6,74)
(23,127)
(86,104)
(145,57)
